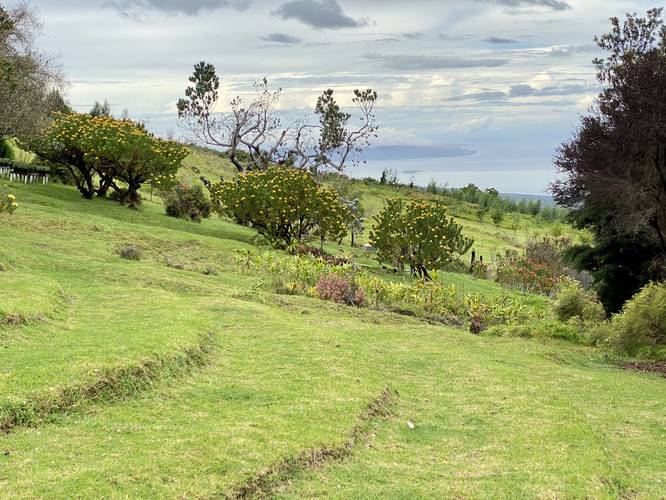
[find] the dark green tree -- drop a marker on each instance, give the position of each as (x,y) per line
(615,164)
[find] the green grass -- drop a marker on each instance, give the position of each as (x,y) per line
(289,377)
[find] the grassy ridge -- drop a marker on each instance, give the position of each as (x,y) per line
(493,417)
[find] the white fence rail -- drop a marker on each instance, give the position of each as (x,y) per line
(8,173)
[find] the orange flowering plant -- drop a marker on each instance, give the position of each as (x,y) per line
(419,235)
(285,205)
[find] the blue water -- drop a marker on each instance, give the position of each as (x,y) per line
(520,177)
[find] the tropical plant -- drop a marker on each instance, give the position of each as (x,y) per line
(419,235)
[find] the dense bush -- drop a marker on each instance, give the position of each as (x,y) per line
(287,206)
(340,289)
(539,269)
(527,275)
(571,301)
(642,324)
(548,250)
(186,202)
(103,153)
(418,235)
(570,331)
(8,203)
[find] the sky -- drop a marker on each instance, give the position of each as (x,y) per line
(469,90)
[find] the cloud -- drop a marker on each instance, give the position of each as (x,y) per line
(424,62)
(324,14)
(523,90)
(569,50)
(557,5)
(135,8)
(412,35)
(497,40)
(486,95)
(281,38)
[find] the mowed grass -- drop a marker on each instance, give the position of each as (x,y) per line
(492,417)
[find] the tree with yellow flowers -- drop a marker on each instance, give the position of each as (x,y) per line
(418,235)
(285,205)
(103,153)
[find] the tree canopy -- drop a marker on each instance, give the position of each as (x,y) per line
(27,77)
(615,164)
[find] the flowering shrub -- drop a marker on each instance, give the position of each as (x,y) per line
(285,205)
(525,274)
(7,203)
(309,276)
(104,150)
(340,289)
(418,235)
(186,202)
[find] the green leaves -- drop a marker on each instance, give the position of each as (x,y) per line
(285,205)
(417,235)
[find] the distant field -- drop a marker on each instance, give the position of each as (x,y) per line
(176,376)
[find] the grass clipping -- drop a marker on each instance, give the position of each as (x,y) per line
(267,482)
(110,385)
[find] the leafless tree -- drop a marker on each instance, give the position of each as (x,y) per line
(256,134)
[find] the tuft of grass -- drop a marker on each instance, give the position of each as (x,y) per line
(130,252)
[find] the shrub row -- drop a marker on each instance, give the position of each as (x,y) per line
(345,283)
(578,316)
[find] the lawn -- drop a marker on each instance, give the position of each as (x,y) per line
(294,396)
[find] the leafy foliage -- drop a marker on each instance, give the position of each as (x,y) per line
(428,299)
(101,153)
(418,235)
(27,77)
(571,301)
(8,203)
(287,206)
(642,324)
(186,202)
(615,164)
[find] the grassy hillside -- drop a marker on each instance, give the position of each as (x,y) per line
(488,238)
(176,376)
